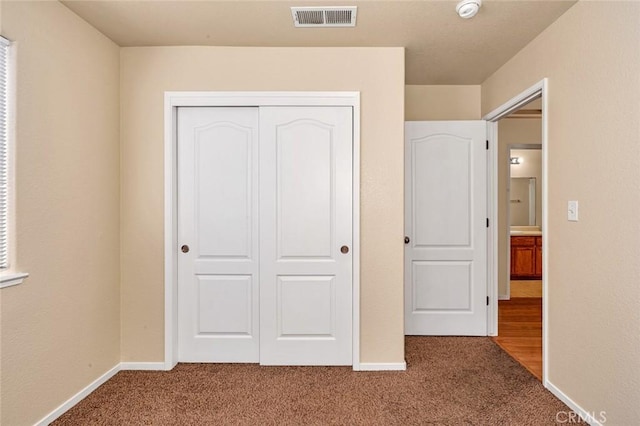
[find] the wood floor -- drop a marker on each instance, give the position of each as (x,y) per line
(529,288)
(520,331)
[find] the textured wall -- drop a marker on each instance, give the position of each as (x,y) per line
(441,103)
(378,73)
(592,60)
(61,327)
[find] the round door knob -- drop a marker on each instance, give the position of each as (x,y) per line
(407,240)
(185,248)
(344,249)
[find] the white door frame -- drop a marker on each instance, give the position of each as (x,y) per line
(539,89)
(173,100)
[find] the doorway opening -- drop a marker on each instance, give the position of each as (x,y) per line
(520,196)
(524,212)
(517,277)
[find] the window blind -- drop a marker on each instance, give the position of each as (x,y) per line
(4,162)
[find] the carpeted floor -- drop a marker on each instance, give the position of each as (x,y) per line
(449,381)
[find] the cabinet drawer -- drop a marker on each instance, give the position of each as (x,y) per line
(523,241)
(539,241)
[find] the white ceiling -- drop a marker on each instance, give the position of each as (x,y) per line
(441,48)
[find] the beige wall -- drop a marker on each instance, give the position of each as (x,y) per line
(592,60)
(510,131)
(441,103)
(60,328)
(378,73)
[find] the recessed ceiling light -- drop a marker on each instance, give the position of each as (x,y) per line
(468,8)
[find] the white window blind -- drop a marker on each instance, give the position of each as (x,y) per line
(4,161)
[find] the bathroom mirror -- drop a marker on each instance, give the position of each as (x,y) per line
(523,201)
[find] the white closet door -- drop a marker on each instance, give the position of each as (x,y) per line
(306,236)
(218,298)
(445,221)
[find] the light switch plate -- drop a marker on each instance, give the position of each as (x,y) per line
(572,211)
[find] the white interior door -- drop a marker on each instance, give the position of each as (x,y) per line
(445,222)
(218,298)
(306,235)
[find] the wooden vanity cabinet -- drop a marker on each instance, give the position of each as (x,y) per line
(526,257)
(538,274)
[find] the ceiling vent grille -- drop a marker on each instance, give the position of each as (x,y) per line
(341,16)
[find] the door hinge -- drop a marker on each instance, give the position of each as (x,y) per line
(487,222)
(487,144)
(487,300)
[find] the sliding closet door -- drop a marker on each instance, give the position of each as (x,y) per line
(265,225)
(306,235)
(218,297)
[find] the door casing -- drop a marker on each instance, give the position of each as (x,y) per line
(540,89)
(173,100)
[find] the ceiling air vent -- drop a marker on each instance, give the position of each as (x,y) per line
(340,16)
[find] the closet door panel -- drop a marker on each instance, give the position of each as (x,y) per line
(218,295)
(306,235)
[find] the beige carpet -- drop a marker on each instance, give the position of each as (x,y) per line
(449,381)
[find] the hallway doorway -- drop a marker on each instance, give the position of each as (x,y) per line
(520,200)
(519,136)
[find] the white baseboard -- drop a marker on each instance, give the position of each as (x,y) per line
(160,366)
(66,406)
(383,366)
(591,418)
(504,297)
(142,366)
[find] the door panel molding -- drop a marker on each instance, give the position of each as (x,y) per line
(174,100)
